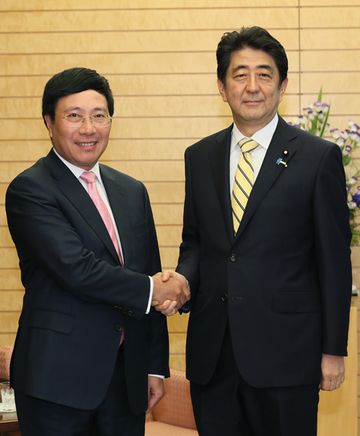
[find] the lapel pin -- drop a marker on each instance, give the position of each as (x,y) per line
(281,162)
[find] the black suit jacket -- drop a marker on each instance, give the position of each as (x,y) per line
(77,295)
(283,283)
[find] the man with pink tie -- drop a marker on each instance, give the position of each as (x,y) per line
(91,352)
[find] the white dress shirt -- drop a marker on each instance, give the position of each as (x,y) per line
(263,137)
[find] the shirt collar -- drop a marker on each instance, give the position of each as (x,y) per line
(263,136)
(77,171)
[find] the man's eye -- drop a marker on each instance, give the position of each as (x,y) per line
(99,116)
(74,116)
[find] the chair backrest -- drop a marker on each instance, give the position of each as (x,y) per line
(5,357)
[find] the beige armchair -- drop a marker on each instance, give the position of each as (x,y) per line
(173,415)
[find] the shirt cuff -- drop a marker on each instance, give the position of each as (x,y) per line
(150,295)
(156,375)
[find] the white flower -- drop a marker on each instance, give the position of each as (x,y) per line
(352,205)
(351,181)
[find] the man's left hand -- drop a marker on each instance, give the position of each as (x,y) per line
(332,372)
(155,391)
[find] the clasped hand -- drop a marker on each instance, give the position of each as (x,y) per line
(171,291)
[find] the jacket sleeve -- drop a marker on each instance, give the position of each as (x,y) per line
(332,239)
(159,348)
(188,263)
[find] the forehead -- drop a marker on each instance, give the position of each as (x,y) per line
(85,100)
(251,58)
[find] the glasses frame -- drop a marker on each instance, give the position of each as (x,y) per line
(80,121)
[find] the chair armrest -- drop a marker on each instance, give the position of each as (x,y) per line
(176,407)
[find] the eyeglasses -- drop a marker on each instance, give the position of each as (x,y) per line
(99,119)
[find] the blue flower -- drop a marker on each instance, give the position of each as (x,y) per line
(356,199)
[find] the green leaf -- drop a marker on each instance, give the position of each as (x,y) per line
(346,159)
(320,95)
(325,121)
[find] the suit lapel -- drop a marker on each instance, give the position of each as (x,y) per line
(270,169)
(76,194)
(219,155)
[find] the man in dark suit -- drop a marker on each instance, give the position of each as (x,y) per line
(266,251)
(90,353)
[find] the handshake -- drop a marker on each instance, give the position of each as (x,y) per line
(171,291)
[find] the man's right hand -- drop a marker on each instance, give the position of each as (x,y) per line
(170,286)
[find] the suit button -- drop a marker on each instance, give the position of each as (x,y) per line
(224,298)
(118,327)
(233,257)
(130,312)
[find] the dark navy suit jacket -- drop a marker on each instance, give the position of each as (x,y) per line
(283,282)
(77,295)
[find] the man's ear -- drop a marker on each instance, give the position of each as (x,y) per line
(221,88)
(283,87)
(48,123)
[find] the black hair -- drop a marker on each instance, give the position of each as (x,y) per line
(253,37)
(72,81)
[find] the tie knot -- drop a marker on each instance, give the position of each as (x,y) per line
(88,177)
(247,145)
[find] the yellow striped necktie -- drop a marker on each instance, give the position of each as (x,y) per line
(244,180)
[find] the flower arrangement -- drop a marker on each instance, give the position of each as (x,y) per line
(315,120)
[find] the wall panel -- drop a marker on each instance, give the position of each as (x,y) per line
(330,17)
(20,5)
(2,222)
(10,280)
(140,19)
(330,39)
(122,41)
(339,61)
(332,82)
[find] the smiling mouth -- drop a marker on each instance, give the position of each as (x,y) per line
(87,144)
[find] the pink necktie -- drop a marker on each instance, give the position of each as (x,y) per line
(90,179)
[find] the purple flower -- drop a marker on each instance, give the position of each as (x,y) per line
(340,141)
(355,136)
(335,133)
(308,110)
(353,126)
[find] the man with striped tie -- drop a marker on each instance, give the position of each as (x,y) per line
(266,252)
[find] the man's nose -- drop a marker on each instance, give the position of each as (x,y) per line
(252,84)
(87,125)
